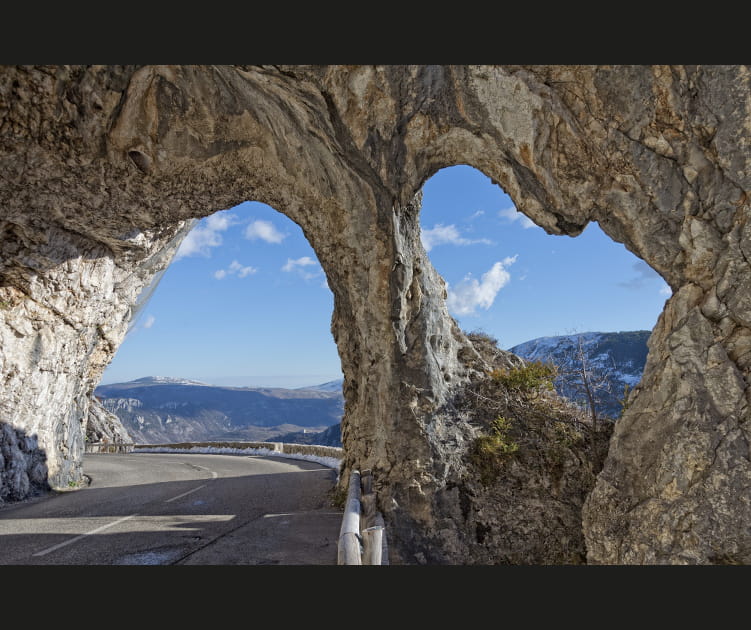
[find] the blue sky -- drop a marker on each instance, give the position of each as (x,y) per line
(245,301)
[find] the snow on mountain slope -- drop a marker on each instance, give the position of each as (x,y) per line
(618,358)
(168,379)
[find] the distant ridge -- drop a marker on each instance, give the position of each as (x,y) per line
(330,386)
(168,379)
(157,409)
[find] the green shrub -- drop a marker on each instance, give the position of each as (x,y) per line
(489,452)
(482,337)
(528,378)
(624,400)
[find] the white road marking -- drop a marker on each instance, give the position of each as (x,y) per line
(77,538)
(44,552)
(179,496)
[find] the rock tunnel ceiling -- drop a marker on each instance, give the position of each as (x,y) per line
(104,168)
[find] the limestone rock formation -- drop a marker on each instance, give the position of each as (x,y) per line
(104,426)
(104,169)
(23,465)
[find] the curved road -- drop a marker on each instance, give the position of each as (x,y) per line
(174,508)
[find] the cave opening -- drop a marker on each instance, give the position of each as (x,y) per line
(538,294)
(244,308)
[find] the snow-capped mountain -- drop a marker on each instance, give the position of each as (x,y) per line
(148,380)
(614,359)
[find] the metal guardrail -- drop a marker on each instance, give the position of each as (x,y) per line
(108,447)
(278,447)
(362,537)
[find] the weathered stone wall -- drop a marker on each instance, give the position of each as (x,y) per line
(103,167)
(104,426)
(23,465)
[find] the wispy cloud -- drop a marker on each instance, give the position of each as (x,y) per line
(140,323)
(265,231)
(205,236)
(471,294)
(305,261)
(235,268)
(441,234)
(513,215)
(644,275)
(474,215)
(300,265)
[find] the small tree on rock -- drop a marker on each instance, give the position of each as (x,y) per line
(585,382)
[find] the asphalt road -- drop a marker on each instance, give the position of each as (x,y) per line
(180,509)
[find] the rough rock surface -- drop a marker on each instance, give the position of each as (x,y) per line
(104,168)
(23,465)
(105,426)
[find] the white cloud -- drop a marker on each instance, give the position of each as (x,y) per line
(205,235)
(512,214)
(446,234)
(235,268)
(305,261)
(149,321)
(299,265)
(265,231)
(469,294)
(240,270)
(474,215)
(666,290)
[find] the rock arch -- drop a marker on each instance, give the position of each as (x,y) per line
(104,167)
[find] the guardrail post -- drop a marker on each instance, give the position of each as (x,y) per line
(368,499)
(384,543)
(372,539)
(349,551)
(373,528)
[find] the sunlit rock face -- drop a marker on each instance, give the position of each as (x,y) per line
(103,426)
(104,168)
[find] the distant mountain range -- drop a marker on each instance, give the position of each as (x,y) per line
(158,409)
(614,359)
(329,437)
(331,386)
